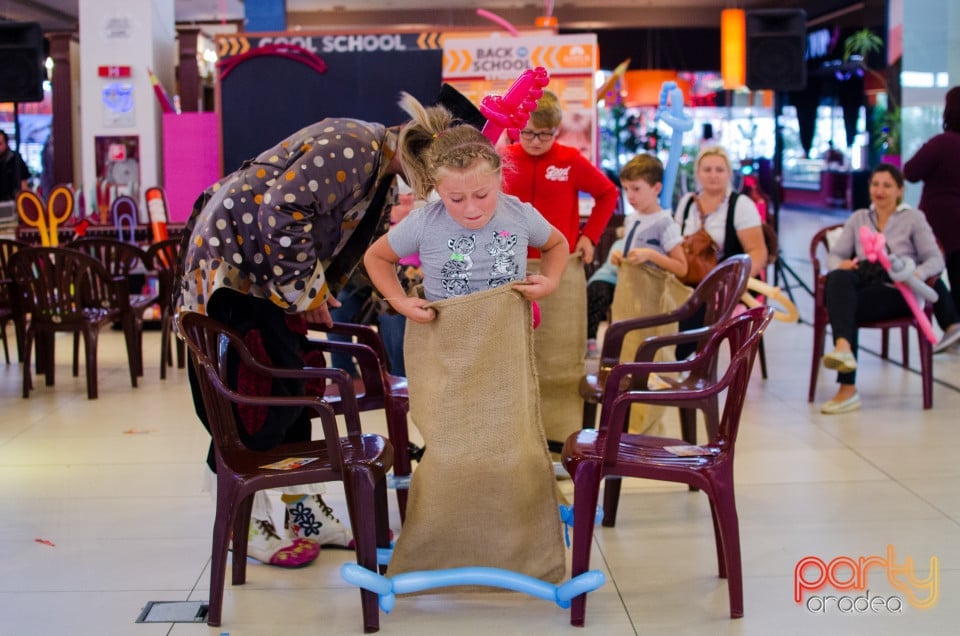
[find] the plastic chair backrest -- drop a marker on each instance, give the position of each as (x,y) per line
(59,284)
(210,342)
(120,258)
(742,334)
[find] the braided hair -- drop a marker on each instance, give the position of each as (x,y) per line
(434,141)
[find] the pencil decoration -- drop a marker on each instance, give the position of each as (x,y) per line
(165,104)
(613,79)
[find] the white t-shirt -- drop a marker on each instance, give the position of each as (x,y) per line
(745,215)
(456,261)
(657,231)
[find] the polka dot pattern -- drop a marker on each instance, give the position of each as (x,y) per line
(271,228)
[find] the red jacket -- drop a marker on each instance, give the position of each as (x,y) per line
(552,183)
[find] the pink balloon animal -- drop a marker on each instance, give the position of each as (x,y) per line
(511,111)
(901,273)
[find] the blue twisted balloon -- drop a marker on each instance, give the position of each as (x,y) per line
(670,111)
(388,587)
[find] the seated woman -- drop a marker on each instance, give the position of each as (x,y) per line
(860,291)
(718,210)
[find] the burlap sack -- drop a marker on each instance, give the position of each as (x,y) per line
(560,343)
(646,290)
(484,493)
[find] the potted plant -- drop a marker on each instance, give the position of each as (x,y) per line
(883,122)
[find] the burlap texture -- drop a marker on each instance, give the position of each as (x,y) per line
(560,343)
(484,493)
(646,290)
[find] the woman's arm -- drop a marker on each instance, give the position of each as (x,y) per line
(755,247)
(843,252)
(748,226)
(554,255)
(380,262)
(929,257)
(923,162)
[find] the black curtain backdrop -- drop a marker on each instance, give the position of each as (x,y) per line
(851,98)
(806,103)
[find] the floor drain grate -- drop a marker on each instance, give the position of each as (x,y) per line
(174,612)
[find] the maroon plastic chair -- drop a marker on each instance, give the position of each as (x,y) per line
(164,258)
(121,259)
(591,455)
(717,295)
(66,290)
(359,460)
(9,298)
(821,320)
(375,389)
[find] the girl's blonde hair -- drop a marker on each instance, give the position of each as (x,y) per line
(428,144)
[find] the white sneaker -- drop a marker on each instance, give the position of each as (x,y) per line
(266,546)
(950,337)
(311,518)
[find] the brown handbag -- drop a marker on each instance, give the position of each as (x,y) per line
(700,249)
(701,252)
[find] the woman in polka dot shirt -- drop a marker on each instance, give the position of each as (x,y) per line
(265,250)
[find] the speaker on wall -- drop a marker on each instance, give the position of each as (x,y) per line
(776,49)
(22,62)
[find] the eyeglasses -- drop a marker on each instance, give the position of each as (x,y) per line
(530,135)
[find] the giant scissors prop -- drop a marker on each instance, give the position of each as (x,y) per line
(670,111)
(124,213)
(46,218)
(901,271)
(511,111)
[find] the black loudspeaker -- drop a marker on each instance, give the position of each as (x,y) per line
(776,48)
(22,58)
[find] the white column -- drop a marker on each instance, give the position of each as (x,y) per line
(139,35)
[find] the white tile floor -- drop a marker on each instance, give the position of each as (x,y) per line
(114,485)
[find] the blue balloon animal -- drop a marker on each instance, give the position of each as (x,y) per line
(670,111)
(387,588)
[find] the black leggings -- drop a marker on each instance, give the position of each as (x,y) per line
(599,299)
(850,302)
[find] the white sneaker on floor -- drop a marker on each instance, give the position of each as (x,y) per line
(311,518)
(266,546)
(950,337)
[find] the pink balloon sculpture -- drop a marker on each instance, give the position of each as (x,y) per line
(901,273)
(511,111)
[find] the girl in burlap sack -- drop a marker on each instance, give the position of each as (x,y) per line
(469,356)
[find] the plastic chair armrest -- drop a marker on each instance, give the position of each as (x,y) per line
(649,347)
(351,411)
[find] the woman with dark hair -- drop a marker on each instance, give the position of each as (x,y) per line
(936,165)
(858,290)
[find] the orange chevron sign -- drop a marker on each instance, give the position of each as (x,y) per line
(430,40)
(457,61)
(232,45)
